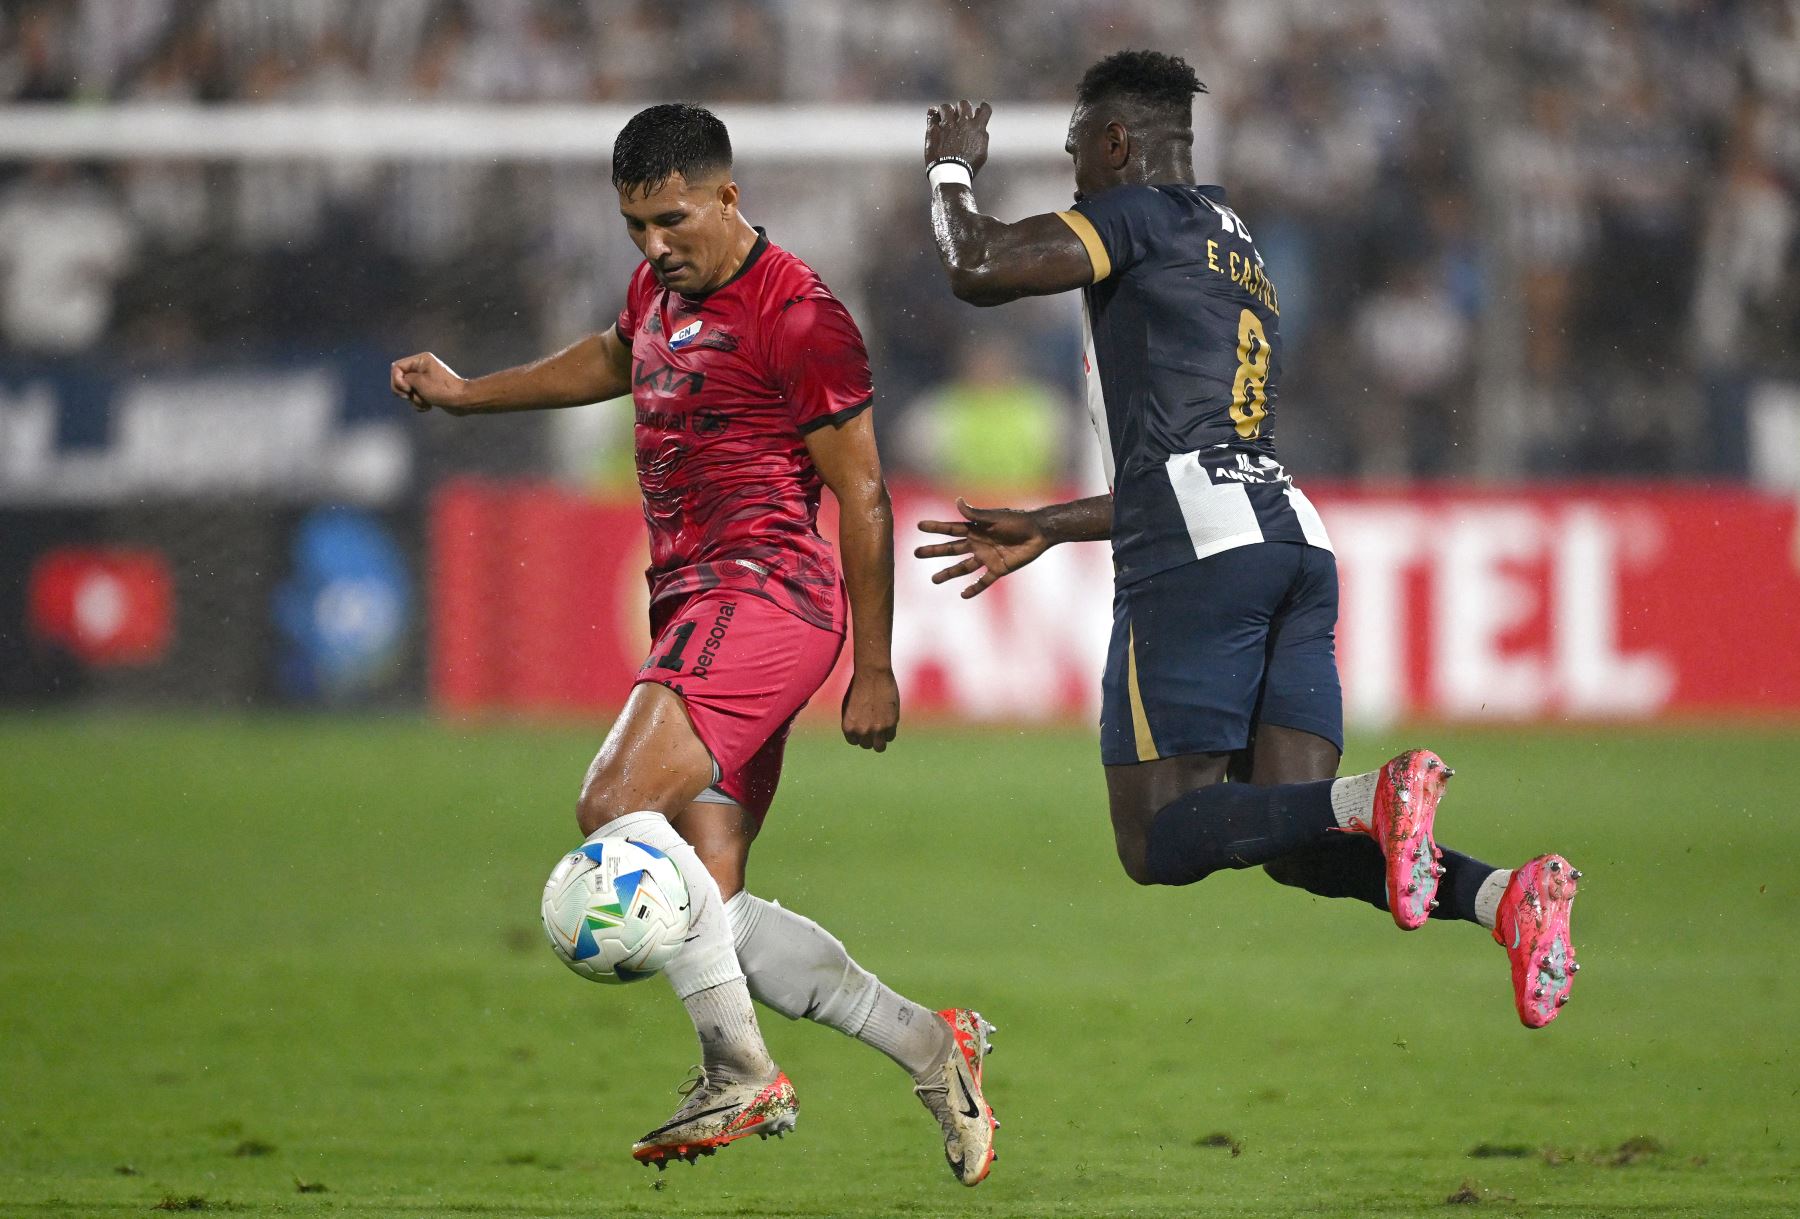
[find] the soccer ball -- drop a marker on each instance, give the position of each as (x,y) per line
(616,910)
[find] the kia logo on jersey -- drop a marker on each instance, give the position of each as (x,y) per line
(108,606)
(681,338)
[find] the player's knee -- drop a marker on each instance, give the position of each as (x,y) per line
(1150,857)
(1138,871)
(588,819)
(1134,858)
(597,805)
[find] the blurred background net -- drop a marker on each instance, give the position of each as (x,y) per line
(1539,239)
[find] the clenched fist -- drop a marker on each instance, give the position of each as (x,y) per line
(426,381)
(958,130)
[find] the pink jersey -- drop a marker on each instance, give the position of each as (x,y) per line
(726,387)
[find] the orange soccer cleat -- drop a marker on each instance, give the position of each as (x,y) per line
(954,1097)
(715,1114)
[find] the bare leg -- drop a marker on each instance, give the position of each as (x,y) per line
(645,776)
(652,759)
(1136,793)
(1288,755)
(721,835)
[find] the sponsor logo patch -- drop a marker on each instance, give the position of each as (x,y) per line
(709,651)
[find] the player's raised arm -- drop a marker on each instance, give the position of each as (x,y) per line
(995,542)
(594,369)
(847,460)
(990,262)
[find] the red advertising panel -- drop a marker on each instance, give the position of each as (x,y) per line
(106,606)
(1510,604)
(1608,604)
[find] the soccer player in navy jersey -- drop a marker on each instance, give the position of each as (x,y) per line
(1222,661)
(752,388)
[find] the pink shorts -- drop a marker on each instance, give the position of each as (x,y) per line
(744,667)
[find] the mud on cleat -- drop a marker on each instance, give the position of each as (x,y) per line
(952,1094)
(1532,924)
(715,1114)
(1406,799)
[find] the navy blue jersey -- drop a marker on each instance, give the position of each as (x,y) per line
(1183,363)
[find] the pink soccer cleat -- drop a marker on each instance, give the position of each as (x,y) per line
(1406,800)
(1532,924)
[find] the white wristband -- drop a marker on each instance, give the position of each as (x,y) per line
(949,173)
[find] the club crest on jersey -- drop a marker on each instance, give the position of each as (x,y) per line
(687,334)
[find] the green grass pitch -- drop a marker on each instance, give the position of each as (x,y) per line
(293,967)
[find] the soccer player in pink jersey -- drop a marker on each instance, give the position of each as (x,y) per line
(752,390)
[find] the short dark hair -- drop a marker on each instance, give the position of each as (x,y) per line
(1162,84)
(662,141)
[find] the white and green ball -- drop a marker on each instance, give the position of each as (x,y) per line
(616,910)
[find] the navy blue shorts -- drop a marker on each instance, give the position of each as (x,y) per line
(1203,652)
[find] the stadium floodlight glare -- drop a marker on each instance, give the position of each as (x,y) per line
(784,134)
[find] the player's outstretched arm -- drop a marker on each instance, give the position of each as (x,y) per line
(847,460)
(990,262)
(595,369)
(998,541)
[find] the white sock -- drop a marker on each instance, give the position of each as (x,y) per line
(1353,800)
(1487,898)
(911,1035)
(803,971)
(731,1044)
(705,973)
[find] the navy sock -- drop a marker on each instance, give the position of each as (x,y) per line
(1462,880)
(1234,825)
(1350,865)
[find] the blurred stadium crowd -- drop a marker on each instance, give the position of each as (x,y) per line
(1547,237)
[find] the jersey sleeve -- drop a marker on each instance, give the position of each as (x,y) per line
(817,358)
(630,317)
(1116,227)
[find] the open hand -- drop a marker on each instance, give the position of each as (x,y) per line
(996,541)
(958,129)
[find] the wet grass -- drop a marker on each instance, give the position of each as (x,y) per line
(288,966)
